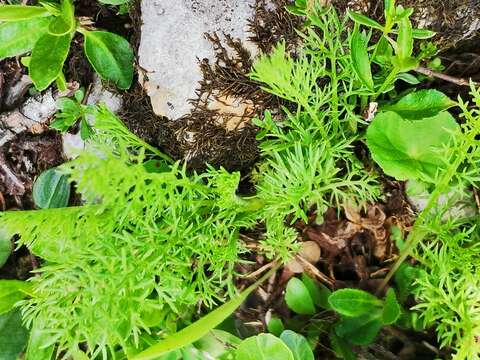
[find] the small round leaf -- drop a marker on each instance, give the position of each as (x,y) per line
(51,190)
(263,347)
(298,297)
(298,345)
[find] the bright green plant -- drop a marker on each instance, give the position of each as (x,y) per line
(446,289)
(160,242)
(71,110)
(362,315)
(407,139)
(46,30)
(307,157)
(393,52)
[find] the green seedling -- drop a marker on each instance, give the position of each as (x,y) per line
(46,30)
(72,110)
(393,52)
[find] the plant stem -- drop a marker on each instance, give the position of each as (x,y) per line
(454,80)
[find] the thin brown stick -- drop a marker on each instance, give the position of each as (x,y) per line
(260,270)
(445,77)
(309,268)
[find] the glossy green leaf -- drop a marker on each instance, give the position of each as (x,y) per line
(51,7)
(408,149)
(298,298)
(51,190)
(275,326)
(423,34)
(12,291)
(405,39)
(48,56)
(391,309)
(408,78)
(263,347)
(21,12)
(13,336)
(65,22)
(420,104)
(17,38)
(364,20)
(199,328)
(5,248)
(353,302)
(298,345)
(35,347)
(111,56)
(359,57)
(360,330)
(318,292)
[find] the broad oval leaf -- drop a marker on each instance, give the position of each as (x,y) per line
(12,291)
(408,149)
(65,22)
(17,38)
(111,56)
(359,57)
(298,345)
(51,190)
(391,310)
(263,347)
(21,12)
(13,336)
(364,20)
(354,302)
(298,298)
(5,248)
(48,56)
(360,330)
(421,104)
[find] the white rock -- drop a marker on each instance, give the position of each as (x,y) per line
(100,95)
(173,40)
(73,145)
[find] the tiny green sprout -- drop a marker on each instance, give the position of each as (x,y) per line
(72,110)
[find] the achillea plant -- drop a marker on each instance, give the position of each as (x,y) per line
(143,251)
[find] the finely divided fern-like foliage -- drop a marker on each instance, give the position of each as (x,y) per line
(448,291)
(307,158)
(145,248)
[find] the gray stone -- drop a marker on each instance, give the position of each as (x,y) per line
(100,95)
(173,40)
